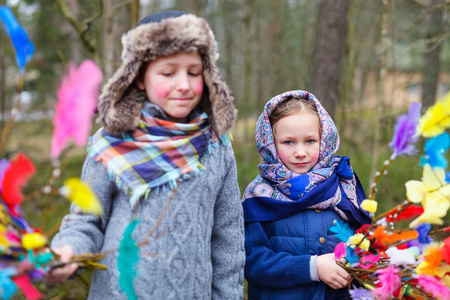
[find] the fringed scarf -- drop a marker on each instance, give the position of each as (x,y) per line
(278,193)
(154,155)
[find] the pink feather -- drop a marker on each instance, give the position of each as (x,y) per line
(77,102)
(434,286)
(340,250)
(389,283)
(369,260)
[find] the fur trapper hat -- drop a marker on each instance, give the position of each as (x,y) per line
(158,35)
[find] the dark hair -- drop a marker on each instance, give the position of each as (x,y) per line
(292,106)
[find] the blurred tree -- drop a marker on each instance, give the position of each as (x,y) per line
(382,71)
(431,66)
(329,51)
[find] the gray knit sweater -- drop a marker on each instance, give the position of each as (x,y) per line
(199,250)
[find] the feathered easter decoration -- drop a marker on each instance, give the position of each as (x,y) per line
(127,261)
(434,286)
(436,119)
(76,106)
(24,48)
(406,263)
(342,231)
(24,254)
(389,282)
(405,132)
(14,179)
(81,194)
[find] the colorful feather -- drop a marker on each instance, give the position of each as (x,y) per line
(127,261)
(30,292)
(4,164)
(435,149)
(445,249)
(389,238)
(81,194)
(410,212)
(389,282)
(423,233)
(342,231)
(24,48)
(405,131)
(433,258)
(7,287)
(33,240)
(16,176)
(400,256)
(340,250)
(434,286)
(368,260)
(77,103)
(436,119)
(361,294)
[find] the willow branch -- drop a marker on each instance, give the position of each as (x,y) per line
(81,27)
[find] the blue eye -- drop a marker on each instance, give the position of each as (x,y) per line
(310,141)
(288,142)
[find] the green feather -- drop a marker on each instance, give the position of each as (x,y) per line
(127,261)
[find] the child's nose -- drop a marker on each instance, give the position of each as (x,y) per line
(300,152)
(182,83)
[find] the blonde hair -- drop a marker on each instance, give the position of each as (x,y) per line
(292,106)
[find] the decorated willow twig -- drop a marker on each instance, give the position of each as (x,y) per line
(405,263)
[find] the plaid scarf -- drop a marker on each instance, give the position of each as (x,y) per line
(278,192)
(157,153)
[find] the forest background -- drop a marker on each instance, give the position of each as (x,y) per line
(365,60)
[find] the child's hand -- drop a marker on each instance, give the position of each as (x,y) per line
(330,273)
(60,274)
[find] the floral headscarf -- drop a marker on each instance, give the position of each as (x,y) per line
(278,192)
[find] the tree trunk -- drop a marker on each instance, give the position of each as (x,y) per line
(2,80)
(431,65)
(74,39)
(117,20)
(380,88)
(329,52)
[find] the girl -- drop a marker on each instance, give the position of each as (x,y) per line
(166,114)
(301,189)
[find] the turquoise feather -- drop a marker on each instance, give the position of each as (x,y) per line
(342,231)
(127,261)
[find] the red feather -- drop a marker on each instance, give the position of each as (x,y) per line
(410,212)
(15,178)
(445,249)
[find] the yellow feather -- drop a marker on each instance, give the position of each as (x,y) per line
(82,195)
(34,240)
(436,119)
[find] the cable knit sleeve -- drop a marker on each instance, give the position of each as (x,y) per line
(227,241)
(265,267)
(85,232)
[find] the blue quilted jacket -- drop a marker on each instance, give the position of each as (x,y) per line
(279,252)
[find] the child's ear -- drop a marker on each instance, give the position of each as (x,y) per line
(139,83)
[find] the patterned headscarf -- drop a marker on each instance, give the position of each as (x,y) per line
(155,155)
(278,192)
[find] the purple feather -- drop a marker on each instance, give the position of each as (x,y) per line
(405,131)
(361,294)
